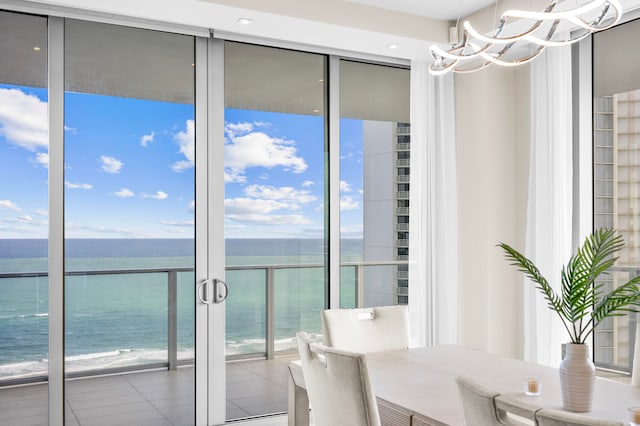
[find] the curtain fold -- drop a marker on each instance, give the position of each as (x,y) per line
(433,251)
(549,208)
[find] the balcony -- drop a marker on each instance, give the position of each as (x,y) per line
(256,358)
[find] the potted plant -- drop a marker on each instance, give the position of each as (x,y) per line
(581,305)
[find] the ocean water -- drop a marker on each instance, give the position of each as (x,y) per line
(115,320)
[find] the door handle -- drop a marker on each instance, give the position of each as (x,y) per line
(220,291)
(203,292)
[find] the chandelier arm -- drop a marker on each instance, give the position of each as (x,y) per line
(519,61)
(476,46)
(552,16)
(498,40)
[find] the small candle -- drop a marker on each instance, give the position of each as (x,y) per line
(635,415)
(532,387)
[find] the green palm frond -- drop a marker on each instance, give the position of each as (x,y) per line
(531,271)
(581,304)
(619,301)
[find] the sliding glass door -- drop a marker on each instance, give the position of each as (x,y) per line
(148,175)
(129,291)
(276,256)
(375,146)
(24,306)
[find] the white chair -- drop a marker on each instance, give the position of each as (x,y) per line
(338,385)
(550,417)
(366,330)
(513,411)
(478,403)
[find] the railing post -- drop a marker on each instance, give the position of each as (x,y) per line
(172,317)
(360,285)
(270,326)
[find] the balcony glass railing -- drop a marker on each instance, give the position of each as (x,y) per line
(145,316)
(614,338)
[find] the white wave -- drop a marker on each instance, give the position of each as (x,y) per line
(46,314)
(98,355)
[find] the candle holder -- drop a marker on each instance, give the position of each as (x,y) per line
(634,416)
(532,387)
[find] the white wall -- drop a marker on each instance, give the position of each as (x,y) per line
(492,127)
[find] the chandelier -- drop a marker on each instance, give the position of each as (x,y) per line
(521,35)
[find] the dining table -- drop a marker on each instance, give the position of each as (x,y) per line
(418,386)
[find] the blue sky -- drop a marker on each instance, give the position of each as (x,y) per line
(129,170)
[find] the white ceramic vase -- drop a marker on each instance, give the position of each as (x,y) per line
(577,378)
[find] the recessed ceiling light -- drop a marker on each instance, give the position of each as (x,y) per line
(392,46)
(321,80)
(36,48)
(316,111)
(245,21)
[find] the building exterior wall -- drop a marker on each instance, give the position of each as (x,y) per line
(386,180)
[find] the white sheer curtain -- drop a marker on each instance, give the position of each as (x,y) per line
(433,274)
(549,209)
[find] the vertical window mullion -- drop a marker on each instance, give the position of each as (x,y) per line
(334,182)
(56,221)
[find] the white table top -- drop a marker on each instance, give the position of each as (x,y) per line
(423,381)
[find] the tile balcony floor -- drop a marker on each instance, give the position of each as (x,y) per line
(154,398)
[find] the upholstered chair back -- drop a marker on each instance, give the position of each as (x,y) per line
(478,403)
(338,385)
(367,330)
(550,417)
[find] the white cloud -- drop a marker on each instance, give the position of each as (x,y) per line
(110,164)
(71,130)
(186,142)
(234,129)
(42,158)
(23,119)
(257,149)
(261,203)
(263,219)
(284,193)
(41,213)
(344,186)
(245,206)
(348,203)
(75,230)
(124,193)
(236,176)
(351,231)
(9,205)
(192,206)
(71,185)
(26,220)
(307,183)
(185,223)
(147,139)
(159,195)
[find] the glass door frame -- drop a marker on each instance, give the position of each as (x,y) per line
(210,345)
(210,342)
(209,258)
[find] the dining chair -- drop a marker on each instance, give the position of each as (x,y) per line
(514,411)
(478,403)
(551,417)
(383,328)
(338,385)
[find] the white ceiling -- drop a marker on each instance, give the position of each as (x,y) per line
(436,9)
